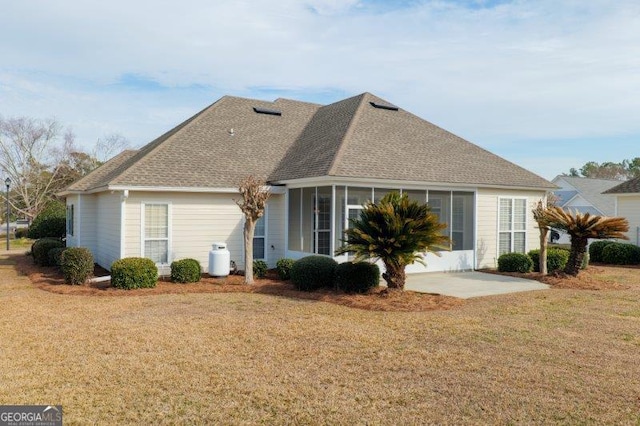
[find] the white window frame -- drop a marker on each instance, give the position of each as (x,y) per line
(264,237)
(169,229)
(70,219)
(512,231)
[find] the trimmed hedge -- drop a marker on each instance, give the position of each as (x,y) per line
(260,268)
(621,254)
(556,259)
(55,256)
(358,277)
(134,272)
(51,222)
(283,267)
(515,262)
(40,250)
(313,272)
(76,264)
(185,271)
(596,248)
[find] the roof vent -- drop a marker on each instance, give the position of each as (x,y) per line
(390,107)
(267,111)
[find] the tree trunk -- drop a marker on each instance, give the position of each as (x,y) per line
(578,249)
(249,228)
(544,232)
(395,276)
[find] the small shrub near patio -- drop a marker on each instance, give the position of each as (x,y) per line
(76,264)
(40,250)
(185,271)
(55,256)
(621,254)
(515,262)
(134,272)
(283,267)
(358,277)
(260,268)
(556,259)
(596,248)
(313,272)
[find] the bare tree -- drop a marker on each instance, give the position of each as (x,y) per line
(108,146)
(254,200)
(30,152)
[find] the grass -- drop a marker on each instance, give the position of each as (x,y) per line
(556,356)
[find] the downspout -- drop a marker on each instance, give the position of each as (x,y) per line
(123,207)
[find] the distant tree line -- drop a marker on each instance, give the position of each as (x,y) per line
(624,170)
(41,160)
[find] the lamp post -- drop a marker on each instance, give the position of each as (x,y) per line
(7,182)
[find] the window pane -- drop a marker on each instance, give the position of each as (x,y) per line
(520,215)
(519,242)
(258,248)
(358,196)
(260,227)
(505,214)
(294,219)
(324,238)
(323,208)
(504,245)
(156,250)
(156,221)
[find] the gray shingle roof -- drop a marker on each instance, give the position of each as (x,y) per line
(631,186)
(592,191)
(349,138)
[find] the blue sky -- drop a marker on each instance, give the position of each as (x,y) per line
(549,85)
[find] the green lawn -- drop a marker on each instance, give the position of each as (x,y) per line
(555,356)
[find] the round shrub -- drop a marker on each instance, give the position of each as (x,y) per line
(515,262)
(556,259)
(55,256)
(621,254)
(185,271)
(76,264)
(596,248)
(283,267)
(260,268)
(51,222)
(134,272)
(40,250)
(313,272)
(358,277)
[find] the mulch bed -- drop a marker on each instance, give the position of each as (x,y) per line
(379,299)
(586,279)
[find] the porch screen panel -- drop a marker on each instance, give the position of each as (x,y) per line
(339,216)
(308,219)
(323,221)
(358,196)
(295,197)
(416,195)
(462,227)
(440,203)
(379,193)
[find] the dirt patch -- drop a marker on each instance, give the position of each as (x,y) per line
(379,299)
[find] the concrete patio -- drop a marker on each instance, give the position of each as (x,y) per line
(469,284)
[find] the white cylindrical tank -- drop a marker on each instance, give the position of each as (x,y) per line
(219,260)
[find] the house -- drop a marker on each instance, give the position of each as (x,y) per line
(175,196)
(584,195)
(627,205)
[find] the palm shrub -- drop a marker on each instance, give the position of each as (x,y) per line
(556,259)
(596,248)
(515,262)
(134,272)
(397,231)
(582,227)
(283,268)
(76,264)
(185,271)
(357,277)
(313,272)
(260,268)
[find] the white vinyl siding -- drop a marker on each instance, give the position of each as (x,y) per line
(107,225)
(629,208)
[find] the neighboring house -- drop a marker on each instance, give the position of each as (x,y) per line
(175,196)
(627,195)
(584,195)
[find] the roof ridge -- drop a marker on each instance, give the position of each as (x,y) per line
(350,129)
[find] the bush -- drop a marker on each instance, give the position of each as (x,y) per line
(76,264)
(621,254)
(595,250)
(185,271)
(55,256)
(313,272)
(556,259)
(51,222)
(260,268)
(283,267)
(40,250)
(358,277)
(515,262)
(134,272)
(21,233)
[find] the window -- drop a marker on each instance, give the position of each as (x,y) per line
(259,238)
(156,232)
(512,225)
(70,219)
